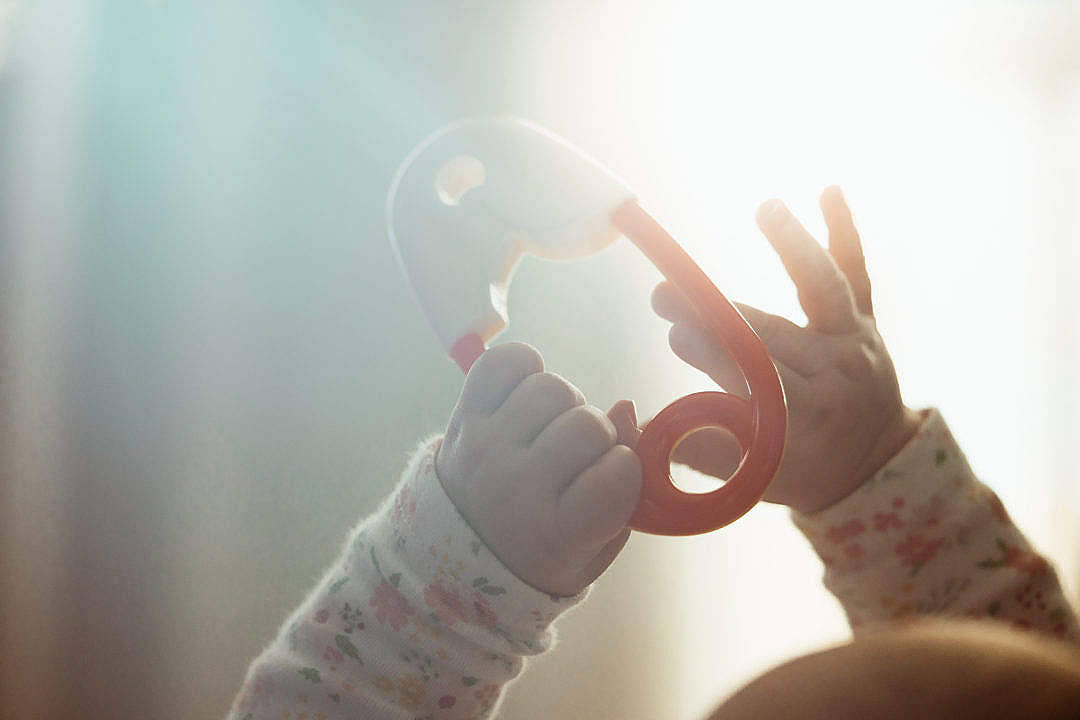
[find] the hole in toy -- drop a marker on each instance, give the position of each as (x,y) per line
(704,459)
(458,176)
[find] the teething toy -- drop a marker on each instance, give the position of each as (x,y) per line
(471,199)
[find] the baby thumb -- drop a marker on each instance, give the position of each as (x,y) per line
(623,416)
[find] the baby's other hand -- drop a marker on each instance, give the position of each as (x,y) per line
(845,415)
(536,472)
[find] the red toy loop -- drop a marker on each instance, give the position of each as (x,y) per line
(662,504)
(759,424)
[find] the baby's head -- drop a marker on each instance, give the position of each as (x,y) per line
(927,669)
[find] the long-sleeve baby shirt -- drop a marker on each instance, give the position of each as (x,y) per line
(418,619)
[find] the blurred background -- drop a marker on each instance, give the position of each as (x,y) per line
(212,366)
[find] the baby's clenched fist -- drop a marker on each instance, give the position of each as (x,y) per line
(537,472)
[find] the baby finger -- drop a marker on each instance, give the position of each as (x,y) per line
(671,304)
(697,347)
(572,442)
(599,502)
(534,404)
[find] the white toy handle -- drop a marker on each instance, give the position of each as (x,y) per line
(472,198)
(475,196)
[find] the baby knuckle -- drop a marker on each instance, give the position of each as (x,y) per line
(858,359)
(556,390)
(624,463)
(516,355)
(594,427)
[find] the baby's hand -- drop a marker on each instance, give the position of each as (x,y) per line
(536,472)
(845,416)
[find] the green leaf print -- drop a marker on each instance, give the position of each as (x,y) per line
(335,697)
(479,581)
(475,548)
(493,590)
(469,681)
(311,674)
(346,646)
(939,457)
(395,579)
(339,584)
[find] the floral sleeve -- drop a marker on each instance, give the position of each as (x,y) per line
(925,537)
(417,619)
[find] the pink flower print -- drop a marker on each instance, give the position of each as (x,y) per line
(884,521)
(917,550)
(447,701)
(447,605)
(482,612)
(390,605)
(333,656)
(322,616)
(898,502)
(840,533)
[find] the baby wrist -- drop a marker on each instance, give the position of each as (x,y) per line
(443,568)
